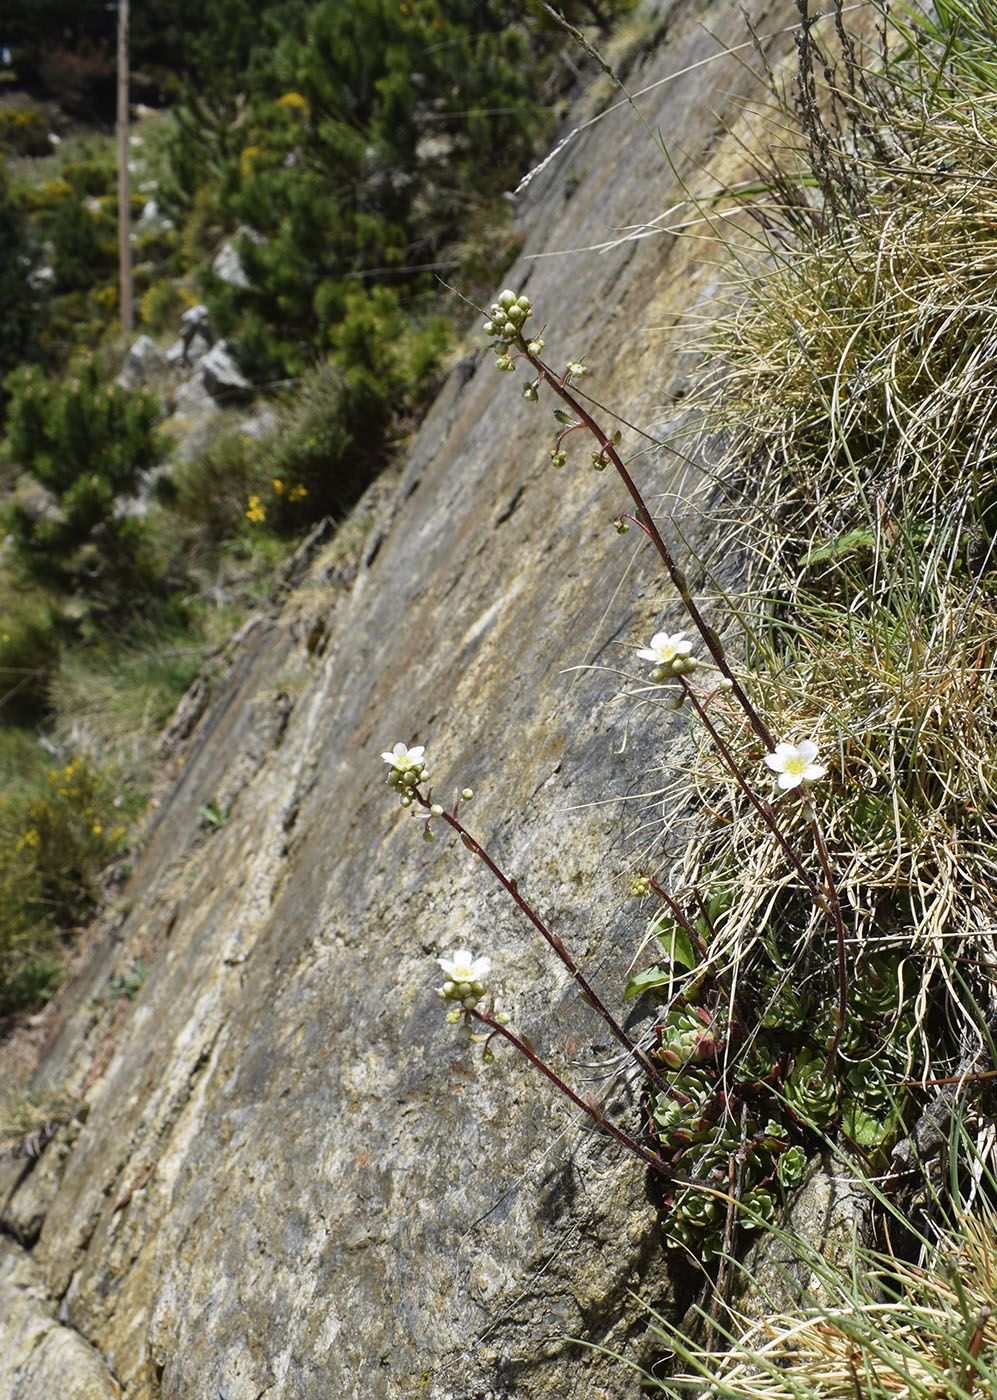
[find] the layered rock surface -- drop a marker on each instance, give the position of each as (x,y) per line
(292,1180)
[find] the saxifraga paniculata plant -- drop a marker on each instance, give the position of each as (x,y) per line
(879,645)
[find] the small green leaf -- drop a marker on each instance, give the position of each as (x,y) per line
(847,543)
(862,1128)
(646,981)
(676,943)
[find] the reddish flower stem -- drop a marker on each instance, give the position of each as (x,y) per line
(646,522)
(763,808)
(641,1059)
(590,1107)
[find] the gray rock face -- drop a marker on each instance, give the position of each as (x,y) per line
(145,366)
(39,1355)
(222,377)
(293,1180)
(227,265)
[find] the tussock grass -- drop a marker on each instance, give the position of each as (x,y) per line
(857,374)
(914,1317)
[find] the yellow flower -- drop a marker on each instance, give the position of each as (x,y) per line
(277,485)
(256,513)
(97,829)
(246,160)
(32,838)
(293,100)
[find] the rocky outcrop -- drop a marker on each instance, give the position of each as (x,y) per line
(292,1180)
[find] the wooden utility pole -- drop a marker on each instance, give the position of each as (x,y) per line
(124,202)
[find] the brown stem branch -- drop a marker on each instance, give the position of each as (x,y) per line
(646,522)
(590,1108)
(763,808)
(640,1058)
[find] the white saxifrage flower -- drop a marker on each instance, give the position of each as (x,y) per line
(403,758)
(465,982)
(795,764)
(665,649)
(670,654)
(462,966)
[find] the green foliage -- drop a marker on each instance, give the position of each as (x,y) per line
(348,170)
(24,131)
(161,306)
(88,444)
(29,652)
(82,228)
(756,1086)
(214,813)
(123,986)
(331,439)
(57,835)
(207,494)
(19,301)
(120,691)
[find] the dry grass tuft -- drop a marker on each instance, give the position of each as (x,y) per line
(859,382)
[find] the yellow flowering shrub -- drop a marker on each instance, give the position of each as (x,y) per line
(57,835)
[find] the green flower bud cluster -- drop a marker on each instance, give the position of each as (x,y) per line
(466,994)
(641,887)
(558,457)
(678,666)
(600,461)
(508,314)
(405,780)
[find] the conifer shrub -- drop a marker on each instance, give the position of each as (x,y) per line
(87,443)
(208,493)
(352,174)
(20,300)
